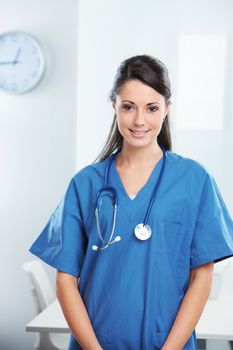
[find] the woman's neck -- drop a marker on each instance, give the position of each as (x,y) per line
(138,156)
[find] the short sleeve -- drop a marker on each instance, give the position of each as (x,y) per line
(62,243)
(213,233)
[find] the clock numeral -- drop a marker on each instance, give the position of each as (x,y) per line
(33,50)
(2,82)
(14,86)
(14,37)
(34,74)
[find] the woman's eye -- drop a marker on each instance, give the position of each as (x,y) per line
(153,109)
(126,107)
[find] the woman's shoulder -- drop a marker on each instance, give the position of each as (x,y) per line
(90,171)
(187,164)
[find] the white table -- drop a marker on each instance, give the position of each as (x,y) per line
(49,320)
(216,321)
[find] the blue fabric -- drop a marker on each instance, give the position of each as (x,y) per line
(133,289)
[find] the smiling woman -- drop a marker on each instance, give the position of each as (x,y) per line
(144,80)
(136,273)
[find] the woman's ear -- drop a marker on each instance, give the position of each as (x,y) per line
(169,104)
(168,108)
(114,106)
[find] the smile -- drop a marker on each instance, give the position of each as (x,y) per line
(137,133)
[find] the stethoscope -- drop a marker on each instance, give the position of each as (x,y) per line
(142,231)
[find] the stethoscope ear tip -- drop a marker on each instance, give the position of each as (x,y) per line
(106,245)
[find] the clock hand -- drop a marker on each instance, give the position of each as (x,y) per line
(9,62)
(17,56)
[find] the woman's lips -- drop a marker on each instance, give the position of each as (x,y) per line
(137,133)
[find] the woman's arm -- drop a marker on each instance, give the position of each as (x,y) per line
(191,307)
(75,311)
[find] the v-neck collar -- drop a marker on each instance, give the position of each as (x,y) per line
(132,207)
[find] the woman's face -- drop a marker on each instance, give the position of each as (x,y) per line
(140,111)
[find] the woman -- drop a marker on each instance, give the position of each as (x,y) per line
(136,275)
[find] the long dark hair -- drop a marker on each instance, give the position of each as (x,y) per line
(152,72)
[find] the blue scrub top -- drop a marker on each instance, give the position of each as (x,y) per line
(133,289)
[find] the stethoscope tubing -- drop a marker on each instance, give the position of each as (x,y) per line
(107,188)
(145,221)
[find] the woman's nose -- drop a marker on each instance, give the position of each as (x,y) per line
(139,118)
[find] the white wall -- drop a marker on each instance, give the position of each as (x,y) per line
(37,152)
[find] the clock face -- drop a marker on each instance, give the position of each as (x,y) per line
(21,62)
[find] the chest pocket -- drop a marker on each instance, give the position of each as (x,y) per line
(172,256)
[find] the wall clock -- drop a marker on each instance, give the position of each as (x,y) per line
(22,62)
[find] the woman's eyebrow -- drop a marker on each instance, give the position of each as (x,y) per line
(152,103)
(148,104)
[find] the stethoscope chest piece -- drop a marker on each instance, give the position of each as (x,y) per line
(142,232)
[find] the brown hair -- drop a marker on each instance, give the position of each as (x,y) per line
(152,72)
